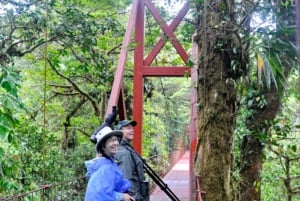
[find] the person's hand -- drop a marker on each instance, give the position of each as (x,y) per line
(127,197)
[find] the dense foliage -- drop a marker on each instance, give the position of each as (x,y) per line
(57,65)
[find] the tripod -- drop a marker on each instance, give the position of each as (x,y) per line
(163,186)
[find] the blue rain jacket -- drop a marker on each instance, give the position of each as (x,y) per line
(106,181)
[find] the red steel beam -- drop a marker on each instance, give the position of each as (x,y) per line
(138,82)
(143,69)
(118,79)
(172,27)
(166,71)
(166,29)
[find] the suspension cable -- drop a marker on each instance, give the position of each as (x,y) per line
(45,91)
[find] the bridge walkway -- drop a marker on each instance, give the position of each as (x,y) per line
(177,180)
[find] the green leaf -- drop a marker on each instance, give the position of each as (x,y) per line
(6,85)
(2,152)
(3,131)
(294,148)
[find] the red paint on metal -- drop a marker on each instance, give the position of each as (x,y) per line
(167,71)
(172,38)
(117,84)
(138,81)
(162,41)
(143,68)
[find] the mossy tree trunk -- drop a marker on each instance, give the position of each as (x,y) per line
(216,102)
(259,123)
(252,147)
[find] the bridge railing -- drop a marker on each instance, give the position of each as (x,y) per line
(71,190)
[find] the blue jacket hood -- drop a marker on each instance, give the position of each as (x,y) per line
(93,165)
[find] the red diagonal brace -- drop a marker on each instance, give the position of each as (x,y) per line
(114,98)
(167,30)
(161,41)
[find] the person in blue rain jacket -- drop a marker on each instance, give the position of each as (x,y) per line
(106,181)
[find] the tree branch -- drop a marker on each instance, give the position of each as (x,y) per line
(91,99)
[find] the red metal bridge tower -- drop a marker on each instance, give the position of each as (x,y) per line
(143,68)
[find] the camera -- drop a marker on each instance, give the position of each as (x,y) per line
(109,120)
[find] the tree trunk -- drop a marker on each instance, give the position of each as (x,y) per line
(216,106)
(252,147)
(251,167)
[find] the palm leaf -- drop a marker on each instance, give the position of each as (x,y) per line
(275,56)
